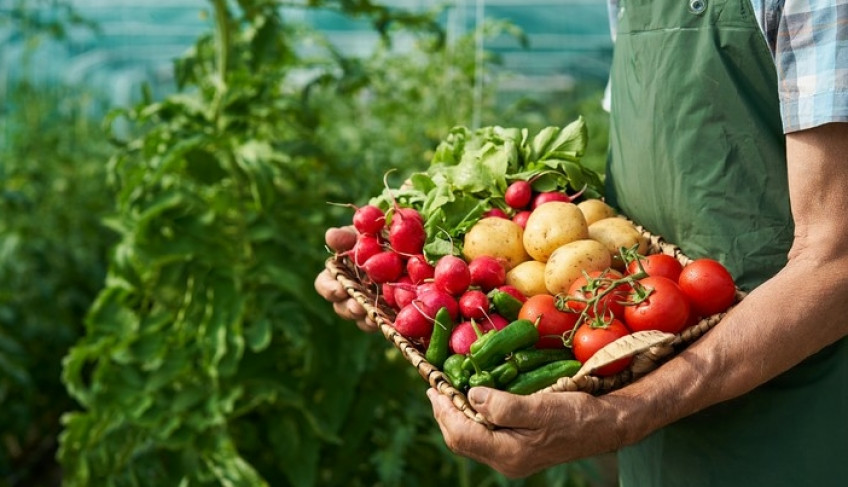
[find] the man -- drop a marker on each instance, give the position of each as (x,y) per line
(698,154)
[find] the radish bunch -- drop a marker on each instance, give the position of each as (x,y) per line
(389,251)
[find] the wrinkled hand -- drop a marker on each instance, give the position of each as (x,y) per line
(340,240)
(532,432)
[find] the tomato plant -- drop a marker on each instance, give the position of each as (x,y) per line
(656,265)
(553,324)
(594,335)
(657,303)
(708,285)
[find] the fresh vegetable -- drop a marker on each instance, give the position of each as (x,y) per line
(571,260)
(656,265)
(521,218)
(552,324)
(518,194)
(439,347)
(532,358)
(474,304)
(616,234)
(452,275)
(406,232)
(595,209)
(552,225)
(369,220)
(432,301)
(452,368)
(418,269)
(528,277)
(516,335)
(544,376)
(366,247)
(657,303)
(340,239)
(484,378)
(464,335)
(504,373)
(708,285)
(385,266)
(594,335)
(505,304)
(486,272)
(600,293)
(498,238)
(411,322)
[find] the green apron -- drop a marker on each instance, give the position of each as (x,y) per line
(697,155)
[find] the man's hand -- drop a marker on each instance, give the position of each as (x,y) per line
(341,240)
(532,432)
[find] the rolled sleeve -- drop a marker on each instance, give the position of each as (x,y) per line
(811,56)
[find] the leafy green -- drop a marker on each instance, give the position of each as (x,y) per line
(471,170)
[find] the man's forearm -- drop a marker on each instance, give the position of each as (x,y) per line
(790,317)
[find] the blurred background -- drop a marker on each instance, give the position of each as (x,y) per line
(167,170)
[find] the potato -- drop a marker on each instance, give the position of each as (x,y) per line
(496,237)
(616,233)
(595,209)
(552,225)
(569,261)
(528,277)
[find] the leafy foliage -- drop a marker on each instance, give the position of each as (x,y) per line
(206,356)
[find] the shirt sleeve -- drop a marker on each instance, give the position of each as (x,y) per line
(811,55)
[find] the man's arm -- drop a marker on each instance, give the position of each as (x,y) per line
(796,313)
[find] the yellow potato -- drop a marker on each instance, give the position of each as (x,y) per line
(595,209)
(568,263)
(617,233)
(528,277)
(496,237)
(552,225)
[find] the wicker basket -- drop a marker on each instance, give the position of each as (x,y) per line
(649,349)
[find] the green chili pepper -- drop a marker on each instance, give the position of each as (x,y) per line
(504,373)
(544,376)
(454,372)
(530,358)
(478,343)
(482,379)
(506,305)
(437,350)
(514,336)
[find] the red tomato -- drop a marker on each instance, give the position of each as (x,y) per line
(612,304)
(657,265)
(553,324)
(666,308)
(589,339)
(709,286)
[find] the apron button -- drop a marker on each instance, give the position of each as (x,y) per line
(697,7)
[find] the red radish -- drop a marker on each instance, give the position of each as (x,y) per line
(521,217)
(406,233)
(411,322)
(495,213)
(486,272)
(452,275)
(426,287)
(432,302)
(474,304)
(369,219)
(386,266)
(408,214)
(389,294)
(495,321)
(463,335)
(405,294)
(366,247)
(518,194)
(419,269)
(548,196)
(512,290)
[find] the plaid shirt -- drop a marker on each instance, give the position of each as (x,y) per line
(809,42)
